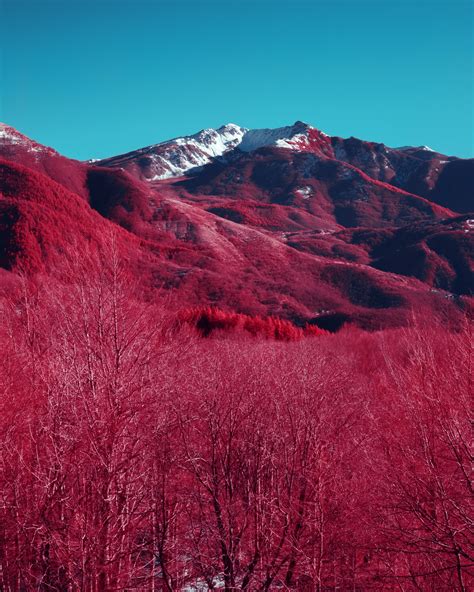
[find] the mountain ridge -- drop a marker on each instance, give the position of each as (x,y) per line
(416,170)
(283,230)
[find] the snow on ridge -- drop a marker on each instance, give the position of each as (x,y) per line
(178,156)
(211,141)
(9,136)
(216,142)
(426,148)
(282,137)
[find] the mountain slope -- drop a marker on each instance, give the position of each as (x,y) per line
(18,148)
(338,194)
(445,180)
(273,224)
(40,221)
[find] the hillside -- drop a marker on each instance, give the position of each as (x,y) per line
(287,222)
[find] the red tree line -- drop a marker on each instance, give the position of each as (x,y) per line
(208,320)
(135,457)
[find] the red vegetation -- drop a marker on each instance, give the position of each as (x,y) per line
(22,150)
(208,320)
(316,142)
(137,455)
(41,220)
(118,197)
(137,458)
(324,235)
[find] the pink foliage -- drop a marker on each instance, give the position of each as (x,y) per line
(137,456)
(210,319)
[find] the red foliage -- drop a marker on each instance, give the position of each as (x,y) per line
(261,234)
(147,459)
(118,197)
(41,221)
(316,142)
(136,455)
(69,173)
(209,319)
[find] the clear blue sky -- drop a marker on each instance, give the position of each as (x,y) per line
(94,79)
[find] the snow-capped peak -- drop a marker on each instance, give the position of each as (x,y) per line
(291,137)
(10,137)
(178,156)
(213,142)
(189,152)
(216,142)
(412,148)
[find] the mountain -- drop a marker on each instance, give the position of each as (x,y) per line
(288,222)
(180,156)
(18,148)
(417,170)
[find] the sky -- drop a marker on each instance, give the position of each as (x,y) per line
(95,79)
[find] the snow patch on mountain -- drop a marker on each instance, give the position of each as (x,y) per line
(290,137)
(210,141)
(412,148)
(9,136)
(188,154)
(305,192)
(179,156)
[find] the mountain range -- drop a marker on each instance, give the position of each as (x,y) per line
(286,222)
